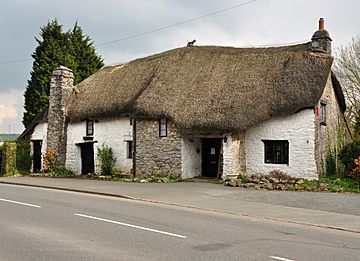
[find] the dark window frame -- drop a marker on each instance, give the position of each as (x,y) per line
(323,113)
(129,149)
(163,128)
(276,152)
(89,127)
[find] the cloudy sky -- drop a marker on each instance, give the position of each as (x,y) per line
(257,23)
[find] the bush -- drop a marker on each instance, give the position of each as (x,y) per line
(163,177)
(62,172)
(23,158)
(348,154)
(8,165)
(330,163)
(50,160)
(1,158)
(107,159)
(355,172)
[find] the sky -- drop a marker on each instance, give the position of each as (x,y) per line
(253,23)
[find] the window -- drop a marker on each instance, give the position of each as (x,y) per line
(276,151)
(89,127)
(162,128)
(323,113)
(129,149)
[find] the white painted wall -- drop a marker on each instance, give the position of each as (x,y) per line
(191,157)
(39,133)
(111,132)
(75,133)
(228,157)
(299,130)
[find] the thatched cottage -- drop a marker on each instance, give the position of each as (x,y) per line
(200,111)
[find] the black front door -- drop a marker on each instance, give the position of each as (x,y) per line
(210,157)
(37,155)
(87,158)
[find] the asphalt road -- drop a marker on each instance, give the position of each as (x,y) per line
(40,224)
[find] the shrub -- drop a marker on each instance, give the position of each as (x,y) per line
(8,165)
(347,155)
(107,159)
(330,162)
(23,158)
(62,172)
(164,177)
(355,172)
(1,158)
(50,160)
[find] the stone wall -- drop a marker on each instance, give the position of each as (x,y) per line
(157,154)
(61,87)
(331,135)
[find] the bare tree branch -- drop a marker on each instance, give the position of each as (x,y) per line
(347,70)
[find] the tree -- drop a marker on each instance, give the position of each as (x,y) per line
(347,69)
(72,49)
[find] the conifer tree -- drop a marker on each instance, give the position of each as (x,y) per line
(72,49)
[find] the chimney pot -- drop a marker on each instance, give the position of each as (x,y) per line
(321,24)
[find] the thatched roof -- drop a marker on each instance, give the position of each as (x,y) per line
(207,87)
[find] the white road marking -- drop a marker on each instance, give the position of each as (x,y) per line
(281,258)
(129,225)
(20,203)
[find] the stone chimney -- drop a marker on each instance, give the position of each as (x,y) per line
(61,86)
(321,41)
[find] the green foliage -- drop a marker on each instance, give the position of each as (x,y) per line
(355,172)
(1,159)
(72,49)
(8,166)
(330,163)
(23,158)
(62,172)
(163,177)
(118,173)
(106,158)
(357,126)
(347,155)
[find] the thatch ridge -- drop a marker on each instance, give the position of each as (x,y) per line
(207,87)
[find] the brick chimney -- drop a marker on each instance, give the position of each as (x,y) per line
(61,87)
(321,41)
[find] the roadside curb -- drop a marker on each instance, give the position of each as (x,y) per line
(181,205)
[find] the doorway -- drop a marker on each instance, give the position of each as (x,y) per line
(211,157)
(87,158)
(37,155)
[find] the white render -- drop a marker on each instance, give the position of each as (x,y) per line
(231,166)
(111,132)
(299,130)
(39,133)
(191,157)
